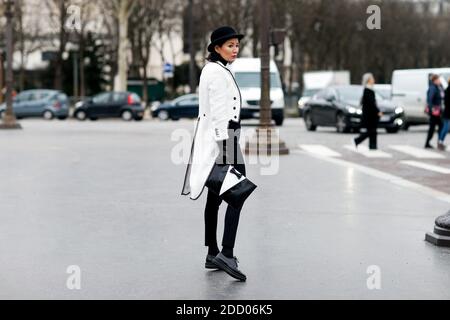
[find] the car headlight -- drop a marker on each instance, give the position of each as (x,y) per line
(399,110)
(78,104)
(155,105)
(302,102)
(352,110)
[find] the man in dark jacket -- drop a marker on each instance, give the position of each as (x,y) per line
(445,118)
(434,100)
(371,114)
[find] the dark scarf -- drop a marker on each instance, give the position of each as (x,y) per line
(225,62)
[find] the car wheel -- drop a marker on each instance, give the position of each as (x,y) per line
(48,115)
(406,126)
(310,126)
(81,115)
(279,121)
(127,115)
(392,130)
(163,115)
(341,124)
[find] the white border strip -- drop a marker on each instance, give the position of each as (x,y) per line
(442,196)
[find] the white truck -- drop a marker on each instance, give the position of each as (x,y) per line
(409,91)
(314,81)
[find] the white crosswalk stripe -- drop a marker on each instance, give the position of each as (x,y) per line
(366,152)
(427,166)
(414,152)
(417,152)
(319,150)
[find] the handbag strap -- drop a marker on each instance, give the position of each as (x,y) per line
(236,173)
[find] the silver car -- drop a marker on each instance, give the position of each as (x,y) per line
(48,104)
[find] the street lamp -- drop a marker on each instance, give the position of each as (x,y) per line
(266,140)
(9,119)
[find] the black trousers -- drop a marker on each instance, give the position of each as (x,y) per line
(370,133)
(434,121)
(213,202)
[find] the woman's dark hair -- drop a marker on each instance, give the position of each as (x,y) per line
(434,77)
(214,56)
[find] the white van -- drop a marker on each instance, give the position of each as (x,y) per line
(248,76)
(409,91)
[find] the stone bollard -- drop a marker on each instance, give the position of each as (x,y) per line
(441,235)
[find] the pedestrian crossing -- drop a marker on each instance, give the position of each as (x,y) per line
(417,152)
(427,166)
(366,152)
(320,150)
(390,152)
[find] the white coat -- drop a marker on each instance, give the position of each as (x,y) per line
(219,102)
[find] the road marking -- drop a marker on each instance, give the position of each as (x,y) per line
(439,195)
(366,152)
(426,166)
(319,150)
(417,152)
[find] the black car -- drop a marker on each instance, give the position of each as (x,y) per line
(125,105)
(183,107)
(339,106)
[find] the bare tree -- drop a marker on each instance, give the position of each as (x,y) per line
(110,38)
(58,16)
(145,17)
(122,10)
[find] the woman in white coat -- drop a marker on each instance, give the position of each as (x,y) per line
(216,139)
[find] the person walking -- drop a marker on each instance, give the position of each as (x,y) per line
(445,119)
(370,113)
(435,99)
(216,140)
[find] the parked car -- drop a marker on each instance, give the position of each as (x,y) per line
(247,72)
(339,106)
(39,103)
(125,105)
(409,91)
(182,107)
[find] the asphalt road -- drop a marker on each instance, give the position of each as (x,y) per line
(105,197)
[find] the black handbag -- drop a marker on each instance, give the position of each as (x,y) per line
(230,185)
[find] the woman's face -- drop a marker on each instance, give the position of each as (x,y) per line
(229,50)
(371,81)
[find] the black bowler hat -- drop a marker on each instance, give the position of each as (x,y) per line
(221,35)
